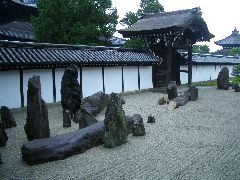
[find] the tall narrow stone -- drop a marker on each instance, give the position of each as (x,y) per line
(172,90)
(7,118)
(223,79)
(70,94)
(3,136)
(115,123)
(37,125)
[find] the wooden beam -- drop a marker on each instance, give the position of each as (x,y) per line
(185,71)
(21,87)
(80,72)
(103,79)
(122,80)
(139,80)
(54,84)
(190,66)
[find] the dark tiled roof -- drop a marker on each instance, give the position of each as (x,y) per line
(233,39)
(17,54)
(175,20)
(18,30)
(213,59)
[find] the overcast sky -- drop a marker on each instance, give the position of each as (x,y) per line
(221,16)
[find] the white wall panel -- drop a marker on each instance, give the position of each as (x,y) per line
(58,79)
(183,75)
(10,89)
(146,77)
(113,79)
(92,80)
(46,83)
(130,78)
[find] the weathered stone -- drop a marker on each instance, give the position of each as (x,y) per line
(179,101)
(223,79)
(3,136)
(138,128)
(70,91)
(151,119)
(7,118)
(67,118)
(236,88)
(162,101)
(37,125)
(62,146)
(193,90)
(84,118)
(129,121)
(95,103)
(1,159)
(172,90)
(115,123)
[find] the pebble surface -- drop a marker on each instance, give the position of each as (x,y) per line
(200,140)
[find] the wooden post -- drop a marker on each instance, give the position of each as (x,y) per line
(139,80)
(54,84)
(103,79)
(190,65)
(169,64)
(80,71)
(122,80)
(21,87)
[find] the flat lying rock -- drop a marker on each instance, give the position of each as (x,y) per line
(7,118)
(62,146)
(95,103)
(138,128)
(179,101)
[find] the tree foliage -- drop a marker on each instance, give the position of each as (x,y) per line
(201,49)
(236,70)
(234,51)
(146,7)
(74,21)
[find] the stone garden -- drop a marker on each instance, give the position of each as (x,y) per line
(111,131)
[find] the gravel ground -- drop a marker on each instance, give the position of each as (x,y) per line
(198,141)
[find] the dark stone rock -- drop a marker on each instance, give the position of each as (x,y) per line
(179,101)
(67,118)
(151,119)
(37,125)
(193,90)
(237,88)
(84,118)
(62,146)
(129,121)
(138,126)
(7,118)
(95,103)
(115,123)
(3,136)
(70,92)
(162,101)
(172,90)
(1,159)
(223,79)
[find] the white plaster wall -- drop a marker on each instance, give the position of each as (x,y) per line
(203,72)
(46,83)
(130,78)
(10,89)
(145,77)
(58,79)
(113,79)
(92,80)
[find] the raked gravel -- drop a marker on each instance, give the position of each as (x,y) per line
(200,140)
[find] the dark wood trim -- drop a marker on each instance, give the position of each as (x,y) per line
(139,79)
(21,87)
(122,80)
(81,84)
(190,66)
(185,71)
(54,84)
(103,80)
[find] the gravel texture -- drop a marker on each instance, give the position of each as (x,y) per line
(200,140)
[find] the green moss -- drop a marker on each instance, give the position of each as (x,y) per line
(205,83)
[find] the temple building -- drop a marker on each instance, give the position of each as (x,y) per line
(167,32)
(232,41)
